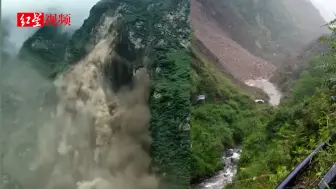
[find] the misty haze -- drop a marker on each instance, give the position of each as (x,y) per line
(169,94)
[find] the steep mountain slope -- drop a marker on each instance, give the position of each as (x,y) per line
(291,132)
(269,29)
(231,56)
(214,124)
(274,140)
(237,37)
(290,71)
(150,34)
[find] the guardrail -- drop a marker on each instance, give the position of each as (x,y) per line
(291,177)
(328,178)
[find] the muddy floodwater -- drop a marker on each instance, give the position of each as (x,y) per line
(269,88)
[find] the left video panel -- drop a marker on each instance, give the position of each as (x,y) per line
(95,96)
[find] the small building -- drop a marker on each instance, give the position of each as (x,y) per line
(259,101)
(197,99)
(200,98)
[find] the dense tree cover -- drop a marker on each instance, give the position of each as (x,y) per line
(170,107)
(274,140)
(290,132)
(219,122)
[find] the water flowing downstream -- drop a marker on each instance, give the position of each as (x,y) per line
(231,156)
(221,179)
(269,88)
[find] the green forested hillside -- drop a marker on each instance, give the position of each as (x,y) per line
(219,123)
(169,107)
(279,143)
(274,140)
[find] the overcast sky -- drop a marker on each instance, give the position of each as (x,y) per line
(79,10)
(327,8)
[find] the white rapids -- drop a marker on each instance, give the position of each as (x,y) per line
(222,178)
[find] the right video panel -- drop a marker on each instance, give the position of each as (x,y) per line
(262,94)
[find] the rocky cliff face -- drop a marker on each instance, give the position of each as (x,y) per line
(231,56)
(271,30)
(289,73)
(150,34)
(97,137)
(146,24)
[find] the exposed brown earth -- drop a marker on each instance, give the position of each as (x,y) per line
(230,55)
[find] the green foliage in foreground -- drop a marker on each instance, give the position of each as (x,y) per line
(274,140)
(219,123)
(278,144)
(169,105)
